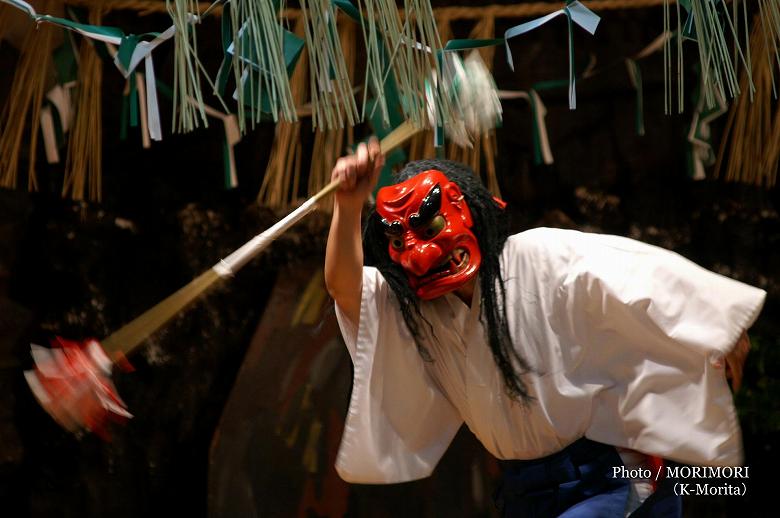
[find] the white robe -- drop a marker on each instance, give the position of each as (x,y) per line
(623,336)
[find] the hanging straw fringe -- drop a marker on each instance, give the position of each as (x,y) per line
(329,144)
(258,61)
(382,32)
(421,45)
(333,102)
(406,51)
(441,89)
(83,165)
(282,174)
(711,26)
(752,135)
(186,79)
(25,100)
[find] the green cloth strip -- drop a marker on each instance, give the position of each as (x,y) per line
(133,98)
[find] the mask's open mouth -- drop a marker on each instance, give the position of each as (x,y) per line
(454,263)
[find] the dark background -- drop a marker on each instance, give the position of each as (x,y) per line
(84,269)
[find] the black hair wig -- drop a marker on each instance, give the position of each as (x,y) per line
(491,227)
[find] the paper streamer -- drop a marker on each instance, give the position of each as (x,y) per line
(142,50)
(49,136)
(702,152)
(58,98)
(24,6)
(232,137)
(575,12)
(140,87)
(132,49)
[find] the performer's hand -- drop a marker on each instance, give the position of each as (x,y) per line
(358,174)
(735,361)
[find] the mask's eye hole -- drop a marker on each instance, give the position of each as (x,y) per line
(397,243)
(434,227)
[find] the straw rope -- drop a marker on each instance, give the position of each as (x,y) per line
(147,7)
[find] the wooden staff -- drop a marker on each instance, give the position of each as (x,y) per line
(72,380)
(135,332)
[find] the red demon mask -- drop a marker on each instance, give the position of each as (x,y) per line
(427,223)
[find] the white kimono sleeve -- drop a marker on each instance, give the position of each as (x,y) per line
(399,424)
(654,324)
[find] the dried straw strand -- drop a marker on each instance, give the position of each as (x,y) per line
(752,135)
(83,165)
(186,79)
(405,50)
(718,70)
(333,103)
(713,25)
(447,102)
(282,174)
(374,61)
(25,99)
(258,36)
(382,31)
(329,144)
